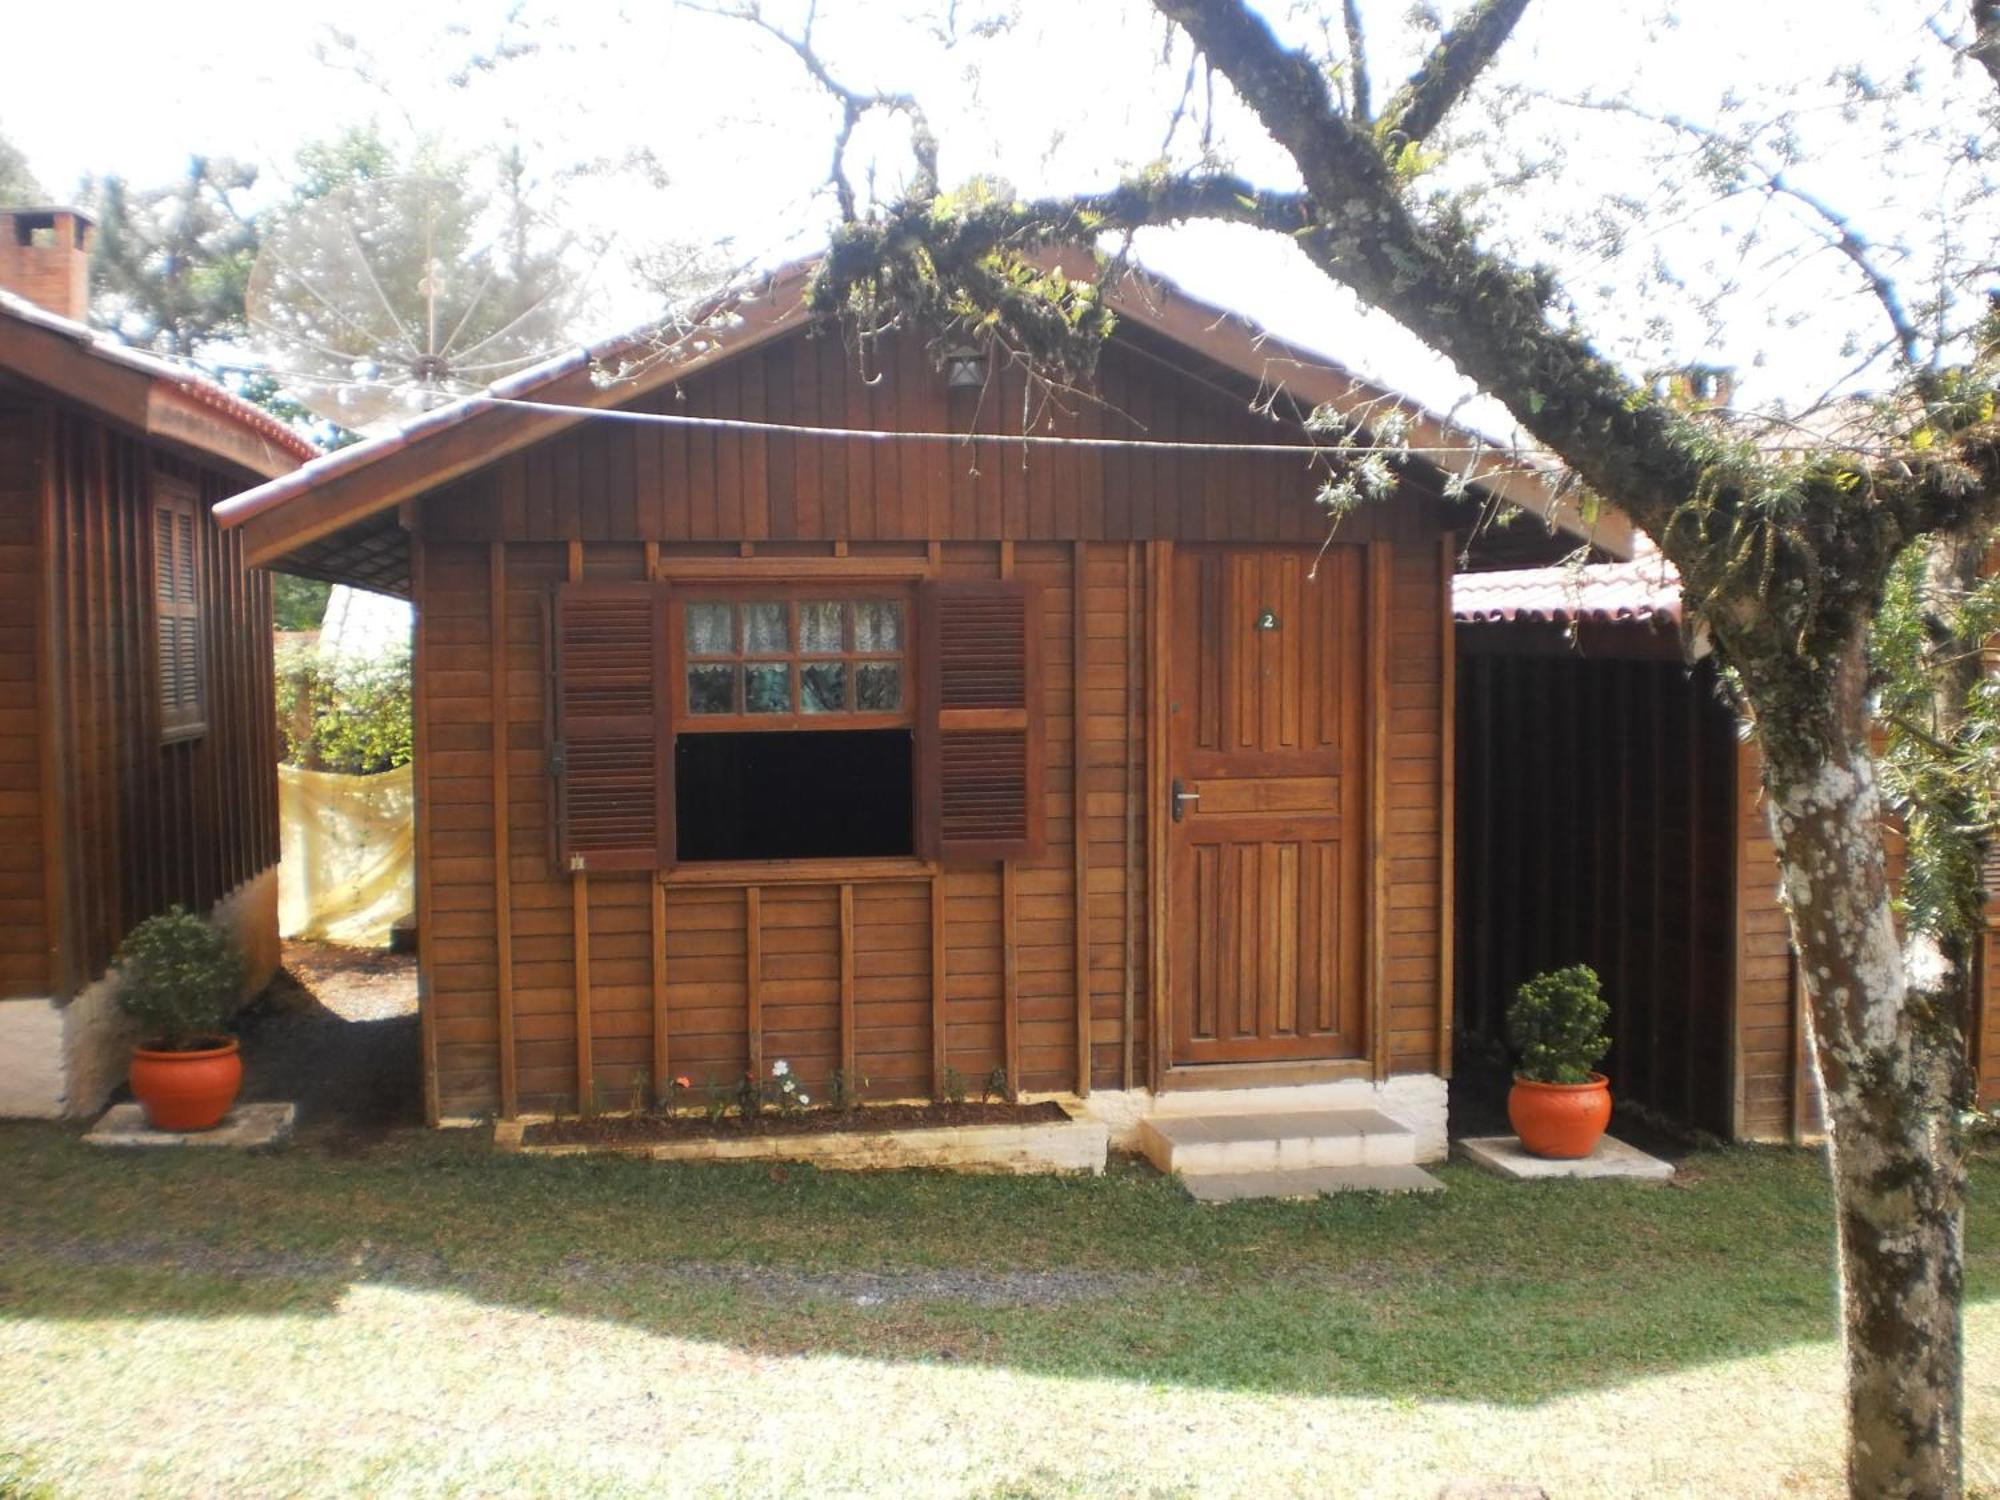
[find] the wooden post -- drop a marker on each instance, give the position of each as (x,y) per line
(663,1078)
(50,720)
(503,901)
(847,1043)
(586,1092)
(1134,791)
(938,973)
(1381,578)
(420,752)
(1010,977)
(1079,799)
(753,977)
(1159,1018)
(1447,815)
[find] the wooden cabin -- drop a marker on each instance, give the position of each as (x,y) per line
(137,742)
(1610,813)
(810,715)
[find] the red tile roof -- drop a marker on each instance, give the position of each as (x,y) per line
(1645,590)
(196,387)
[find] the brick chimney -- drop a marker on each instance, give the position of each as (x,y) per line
(45,258)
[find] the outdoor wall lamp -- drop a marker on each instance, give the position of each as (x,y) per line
(965,369)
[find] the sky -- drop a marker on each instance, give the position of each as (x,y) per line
(1067,96)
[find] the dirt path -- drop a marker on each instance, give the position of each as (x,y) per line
(336,1033)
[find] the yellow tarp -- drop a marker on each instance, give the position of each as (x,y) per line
(349,865)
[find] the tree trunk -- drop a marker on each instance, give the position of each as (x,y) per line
(1892,1132)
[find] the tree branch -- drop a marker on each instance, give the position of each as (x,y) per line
(1357,61)
(1985,48)
(1840,231)
(1454,65)
(854,104)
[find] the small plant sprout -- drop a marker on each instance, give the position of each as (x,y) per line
(954,1086)
(716,1104)
(996,1087)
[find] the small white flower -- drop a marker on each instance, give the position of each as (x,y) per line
(780,1068)
(805,1098)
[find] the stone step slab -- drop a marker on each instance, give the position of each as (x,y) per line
(1272,1141)
(1308,1182)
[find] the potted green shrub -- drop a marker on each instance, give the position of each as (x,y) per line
(1559,1104)
(178,979)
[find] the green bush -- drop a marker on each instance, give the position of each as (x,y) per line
(1556,1026)
(354,718)
(178,978)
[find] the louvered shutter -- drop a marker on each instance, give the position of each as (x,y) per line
(980,719)
(180,679)
(610,700)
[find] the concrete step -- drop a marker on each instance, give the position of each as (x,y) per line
(1308,1182)
(1272,1141)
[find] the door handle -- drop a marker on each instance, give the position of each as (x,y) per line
(1181,798)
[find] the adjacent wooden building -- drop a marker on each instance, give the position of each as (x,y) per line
(137,744)
(773,709)
(1610,813)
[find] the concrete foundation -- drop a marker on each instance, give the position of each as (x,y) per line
(246,1127)
(1504,1156)
(63,1060)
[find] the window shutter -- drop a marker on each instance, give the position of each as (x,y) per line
(981,721)
(609,701)
(179,677)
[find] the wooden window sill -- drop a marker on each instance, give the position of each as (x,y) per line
(798,871)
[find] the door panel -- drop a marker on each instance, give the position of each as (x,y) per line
(1265,747)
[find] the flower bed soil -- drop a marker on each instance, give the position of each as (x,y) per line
(616,1130)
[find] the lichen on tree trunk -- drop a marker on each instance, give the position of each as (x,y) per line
(1882,1025)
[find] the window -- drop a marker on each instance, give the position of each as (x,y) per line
(699,723)
(180,669)
(793,732)
(769,663)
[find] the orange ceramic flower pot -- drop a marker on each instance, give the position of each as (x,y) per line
(1560,1120)
(187,1090)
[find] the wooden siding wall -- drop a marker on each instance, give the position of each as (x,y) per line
(1595,802)
(698,980)
(146,826)
(24,944)
(1414,973)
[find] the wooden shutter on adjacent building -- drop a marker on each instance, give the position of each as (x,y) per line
(179,669)
(610,707)
(980,721)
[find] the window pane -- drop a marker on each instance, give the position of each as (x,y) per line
(819,627)
(764,630)
(878,625)
(878,686)
(711,690)
(709,630)
(767,688)
(823,687)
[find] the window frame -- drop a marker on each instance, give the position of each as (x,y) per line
(174,500)
(901,588)
(792,595)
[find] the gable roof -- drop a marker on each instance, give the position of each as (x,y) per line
(144,392)
(347,488)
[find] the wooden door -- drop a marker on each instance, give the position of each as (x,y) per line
(1267,765)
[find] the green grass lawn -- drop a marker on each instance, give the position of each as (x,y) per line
(1517,1302)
